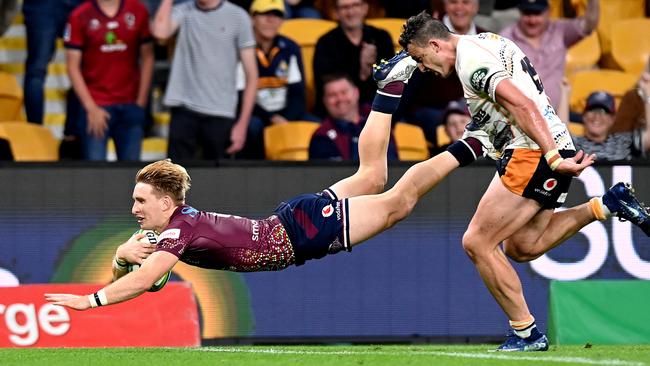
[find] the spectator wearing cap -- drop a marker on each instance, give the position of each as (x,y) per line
(547,41)
(281,85)
(455,118)
(598,118)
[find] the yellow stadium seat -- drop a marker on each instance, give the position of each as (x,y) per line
(11,97)
(576,129)
(583,55)
(30,142)
(289,141)
(612,11)
(394,26)
(631,44)
(411,143)
(586,82)
(441,136)
(306,32)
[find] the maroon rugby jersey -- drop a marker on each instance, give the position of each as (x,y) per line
(226,242)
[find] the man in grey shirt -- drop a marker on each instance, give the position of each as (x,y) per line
(213,36)
(598,119)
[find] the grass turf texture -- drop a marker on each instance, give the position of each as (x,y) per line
(335,355)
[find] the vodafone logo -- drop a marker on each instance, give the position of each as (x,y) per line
(550,184)
(327,211)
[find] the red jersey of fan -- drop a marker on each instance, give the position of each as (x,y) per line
(110,49)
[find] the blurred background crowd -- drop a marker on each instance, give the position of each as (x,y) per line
(137,80)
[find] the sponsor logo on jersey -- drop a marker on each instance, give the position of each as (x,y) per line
(191,211)
(338,210)
(477,80)
(550,184)
(327,211)
(129,19)
(255,226)
(562,197)
(170,234)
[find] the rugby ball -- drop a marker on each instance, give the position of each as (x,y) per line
(150,237)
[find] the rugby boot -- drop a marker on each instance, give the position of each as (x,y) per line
(399,68)
(620,201)
(537,341)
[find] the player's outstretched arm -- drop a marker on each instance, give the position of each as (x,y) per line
(126,288)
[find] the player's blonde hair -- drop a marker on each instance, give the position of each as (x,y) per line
(166,178)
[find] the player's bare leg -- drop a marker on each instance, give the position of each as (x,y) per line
(549,229)
(546,230)
(371,214)
(391,76)
(499,215)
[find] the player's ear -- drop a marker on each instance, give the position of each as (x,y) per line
(167,203)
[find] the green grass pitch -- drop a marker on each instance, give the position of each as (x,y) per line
(335,355)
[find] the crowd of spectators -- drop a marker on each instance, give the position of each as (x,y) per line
(232,74)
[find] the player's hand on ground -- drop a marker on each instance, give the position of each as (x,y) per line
(575,165)
(237,137)
(71,301)
(135,250)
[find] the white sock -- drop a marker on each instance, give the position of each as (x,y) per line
(524,333)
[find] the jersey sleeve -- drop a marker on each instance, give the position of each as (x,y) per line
(175,238)
(479,70)
(73,36)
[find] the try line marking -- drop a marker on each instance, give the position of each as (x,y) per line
(491,356)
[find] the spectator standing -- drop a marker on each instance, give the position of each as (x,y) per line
(338,136)
(44,23)
(109,54)
(546,42)
(281,85)
(213,36)
(351,48)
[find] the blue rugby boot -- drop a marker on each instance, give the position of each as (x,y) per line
(620,201)
(399,68)
(537,341)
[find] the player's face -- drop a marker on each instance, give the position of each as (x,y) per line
(461,13)
(533,24)
(148,208)
(431,59)
(597,123)
(266,25)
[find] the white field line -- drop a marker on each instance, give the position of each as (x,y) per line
(491,356)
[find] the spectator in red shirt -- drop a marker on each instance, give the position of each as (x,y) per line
(109,54)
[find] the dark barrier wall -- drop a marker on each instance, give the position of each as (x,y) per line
(62,224)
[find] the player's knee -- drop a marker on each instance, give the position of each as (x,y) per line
(472,245)
(401,207)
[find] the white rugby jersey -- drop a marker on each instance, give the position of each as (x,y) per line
(484,60)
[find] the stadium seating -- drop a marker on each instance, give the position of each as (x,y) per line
(153,148)
(411,144)
(394,26)
(584,83)
(631,44)
(612,11)
(11,97)
(30,142)
(576,129)
(306,32)
(441,136)
(583,55)
(289,141)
